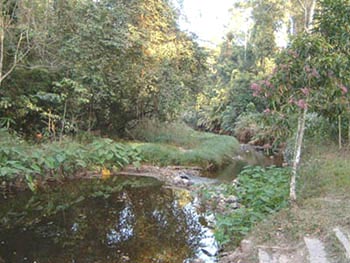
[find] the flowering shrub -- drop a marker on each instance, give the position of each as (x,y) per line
(304,77)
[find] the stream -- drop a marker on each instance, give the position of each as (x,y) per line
(123,219)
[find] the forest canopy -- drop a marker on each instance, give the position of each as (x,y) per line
(83,65)
(77,65)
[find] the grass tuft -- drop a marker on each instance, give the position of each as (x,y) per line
(177,144)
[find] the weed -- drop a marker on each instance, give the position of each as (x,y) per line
(261,192)
(57,160)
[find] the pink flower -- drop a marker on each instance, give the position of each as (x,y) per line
(315,73)
(301,104)
(268,84)
(293,53)
(344,89)
(307,69)
(256,87)
(306,91)
(267,110)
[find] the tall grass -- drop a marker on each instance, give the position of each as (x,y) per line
(325,170)
(178,144)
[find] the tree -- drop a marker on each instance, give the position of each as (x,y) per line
(309,75)
(332,21)
(15,39)
(129,57)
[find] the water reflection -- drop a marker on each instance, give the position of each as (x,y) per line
(124,229)
(144,224)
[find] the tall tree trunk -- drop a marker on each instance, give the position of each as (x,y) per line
(6,24)
(339,132)
(2,38)
(297,154)
(349,133)
(63,120)
(309,12)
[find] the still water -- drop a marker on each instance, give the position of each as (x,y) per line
(125,219)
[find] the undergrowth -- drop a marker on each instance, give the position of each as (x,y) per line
(260,192)
(323,186)
(325,171)
(20,160)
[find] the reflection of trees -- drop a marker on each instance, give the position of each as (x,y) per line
(143,224)
(124,229)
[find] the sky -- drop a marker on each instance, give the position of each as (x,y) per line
(211,20)
(206,18)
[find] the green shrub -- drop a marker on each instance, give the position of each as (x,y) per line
(318,128)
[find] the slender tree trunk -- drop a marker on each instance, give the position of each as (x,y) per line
(2,38)
(309,12)
(63,120)
(6,23)
(349,133)
(90,117)
(297,154)
(339,132)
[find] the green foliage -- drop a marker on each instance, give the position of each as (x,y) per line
(58,160)
(312,72)
(318,128)
(107,153)
(267,17)
(218,109)
(261,192)
(264,189)
(97,65)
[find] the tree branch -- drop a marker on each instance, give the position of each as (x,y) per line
(16,59)
(2,38)
(302,5)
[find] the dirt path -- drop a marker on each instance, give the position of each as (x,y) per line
(318,232)
(312,250)
(317,253)
(344,240)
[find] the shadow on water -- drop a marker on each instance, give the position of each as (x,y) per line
(123,220)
